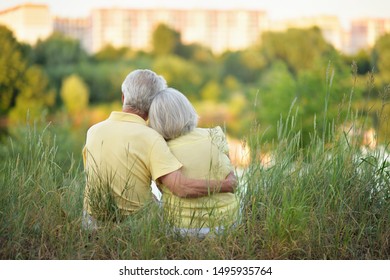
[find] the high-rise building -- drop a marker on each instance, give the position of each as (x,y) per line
(29,22)
(110,27)
(217,29)
(77,28)
(365,32)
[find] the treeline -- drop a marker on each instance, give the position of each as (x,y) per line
(237,88)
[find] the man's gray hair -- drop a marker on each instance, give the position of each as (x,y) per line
(140,87)
(171,114)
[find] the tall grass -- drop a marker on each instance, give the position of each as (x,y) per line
(327,200)
(331,203)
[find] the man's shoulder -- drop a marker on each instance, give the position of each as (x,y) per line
(149,132)
(146,135)
(97,126)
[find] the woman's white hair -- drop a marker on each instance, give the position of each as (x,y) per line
(140,87)
(171,114)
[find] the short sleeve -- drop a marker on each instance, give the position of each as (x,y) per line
(162,161)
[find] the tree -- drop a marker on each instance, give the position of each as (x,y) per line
(59,56)
(12,68)
(241,118)
(181,74)
(232,84)
(378,89)
(104,79)
(75,94)
(381,57)
(300,49)
(34,98)
(211,91)
(362,60)
(109,53)
(195,52)
(275,96)
(58,50)
(245,65)
(165,40)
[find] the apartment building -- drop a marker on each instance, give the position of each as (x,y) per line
(77,28)
(365,32)
(217,29)
(29,22)
(110,27)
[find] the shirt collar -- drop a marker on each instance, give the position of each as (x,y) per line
(126,117)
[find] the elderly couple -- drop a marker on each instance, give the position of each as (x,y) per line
(190,165)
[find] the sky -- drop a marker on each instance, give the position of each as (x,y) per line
(276,9)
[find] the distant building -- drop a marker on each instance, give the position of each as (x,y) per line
(217,29)
(77,28)
(220,30)
(365,32)
(29,22)
(111,27)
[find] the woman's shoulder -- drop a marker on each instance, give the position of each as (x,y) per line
(210,131)
(199,134)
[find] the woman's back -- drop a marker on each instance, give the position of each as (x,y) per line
(204,155)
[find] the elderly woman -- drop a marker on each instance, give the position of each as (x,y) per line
(204,155)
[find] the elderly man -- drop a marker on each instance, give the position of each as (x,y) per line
(122,154)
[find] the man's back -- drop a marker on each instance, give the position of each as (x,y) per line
(121,156)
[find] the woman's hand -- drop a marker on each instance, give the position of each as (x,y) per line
(231,182)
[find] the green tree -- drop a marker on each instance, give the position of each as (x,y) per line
(109,53)
(275,96)
(58,50)
(232,84)
(362,60)
(241,118)
(383,116)
(60,56)
(165,40)
(104,78)
(75,94)
(245,65)
(381,58)
(181,74)
(377,94)
(35,96)
(300,49)
(12,69)
(211,91)
(195,52)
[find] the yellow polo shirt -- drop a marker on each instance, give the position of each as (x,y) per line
(204,155)
(121,155)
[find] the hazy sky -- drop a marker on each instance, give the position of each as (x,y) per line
(276,9)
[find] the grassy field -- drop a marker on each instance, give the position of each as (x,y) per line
(327,199)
